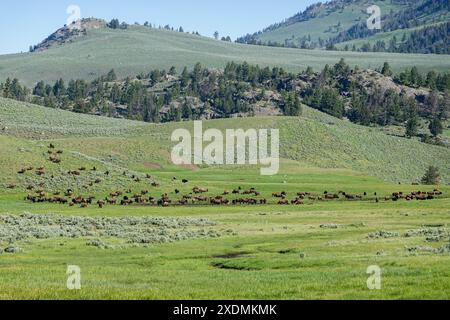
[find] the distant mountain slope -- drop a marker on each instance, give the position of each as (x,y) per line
(140,49)
(314,139)
(422,28)
(332,23)
(321,22)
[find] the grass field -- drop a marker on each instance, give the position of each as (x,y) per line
(273,253)
(319,250)
(140,49)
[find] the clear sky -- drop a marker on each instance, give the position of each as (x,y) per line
(27,22)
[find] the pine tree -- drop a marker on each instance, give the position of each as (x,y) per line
(186,111)
(184,78)
(386,70)
(39,89)
(111,76)
(412,127)
(114,24)
(59,89)
(436,127)
(172,71)
(431,176)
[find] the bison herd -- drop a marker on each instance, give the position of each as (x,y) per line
(198,195)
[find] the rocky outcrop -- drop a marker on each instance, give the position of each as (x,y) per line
(68,33)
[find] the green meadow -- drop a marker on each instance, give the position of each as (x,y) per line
(318,250)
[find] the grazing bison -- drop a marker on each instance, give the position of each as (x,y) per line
(250,201)
(297,201)
(201,199)
(198,190)
(111,201)
(279,194)
(54,159)
(349,197)
(116,194)
(331,196)
(182,202)
(126,201)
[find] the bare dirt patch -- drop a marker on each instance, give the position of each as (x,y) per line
(151,165)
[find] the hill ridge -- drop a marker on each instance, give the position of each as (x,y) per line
(140,49)
(314,139)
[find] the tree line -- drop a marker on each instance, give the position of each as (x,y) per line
(189,95)
(339,90)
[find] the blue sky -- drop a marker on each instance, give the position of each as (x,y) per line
(27,22)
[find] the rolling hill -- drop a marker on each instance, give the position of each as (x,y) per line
(322,20)
(312,140)
(140,49)
(342,24)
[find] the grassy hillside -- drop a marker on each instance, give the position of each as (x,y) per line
(325,24)
(140,49)
(313,140)
(383,36)
(336,23)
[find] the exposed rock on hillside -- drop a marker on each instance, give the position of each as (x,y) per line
(68,33)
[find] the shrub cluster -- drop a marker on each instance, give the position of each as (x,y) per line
(134,230)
